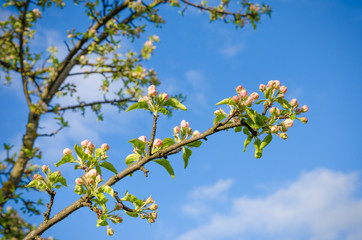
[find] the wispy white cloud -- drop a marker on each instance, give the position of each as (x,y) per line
(211,192)
(321,204)
(231,49)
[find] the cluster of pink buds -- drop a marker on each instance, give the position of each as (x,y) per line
(91,177)
(185,131)
(88,146)
(275,87)
(150,216)
(243,98)
(38,176)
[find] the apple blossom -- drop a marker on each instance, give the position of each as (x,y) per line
(294,102)
(276,83)
(271,84)
(304,120)
(44,168)
(157,143)
(283,136)
(38,176)
(304,109)
(110,231)
(143,138)
(254,96)
(196,133)
(84,143)
(105,146)
(152,91)
(153,207)
(78,181)
(239,88)
(176,130)
(262,87)
(184,124)
(164,96)
(67,151)
(243,94)
(91,173)
(274,129)
(235,99)
(90,145)
(288,123)
(283,89)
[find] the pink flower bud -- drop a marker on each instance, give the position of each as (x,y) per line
(274,129)
(90,145)
(220,111)
(305,108)
(254,96)
(151,220)
(99,178)
(152,91)
(288,123)
(276,84)
(196,133)
(143,138)
(38,176)
(164,96)
(58,172)
(239,88)
(90,181)
(294,102)
(157,143)
(262,87)
(104,157)
(235,99)
(119,219)
(176,130)
(105,146)
(184,124)
(91,173)
(283,136)
(243,94)
(84,143)
(67,151)
(154,214)
(149,200)
(271,84)
(283,89)
(78,181)
(44,168)
(303,119)
(87,151)
(153,207)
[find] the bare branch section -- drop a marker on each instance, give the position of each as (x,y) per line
(226,124)
(49,205)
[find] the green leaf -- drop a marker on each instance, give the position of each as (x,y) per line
(219,118)
(65,159)
(166,164)
(138,144)
(138,105)
(284,103)
(247,142)
(62,181)
(131,214)
(266,141)
(79,190)
(186,153)
(292,116)
(258,151)
(132,158)
(267,93)
(256,117)
(163,110)
(167,142)
(260,101)
(194,144)
(99,170)
(102,221)
(106,189)
(238,129)
(32,183)
(98,152)
(173,102)
(225,101)
(246,131)
(108,166)
(79,151)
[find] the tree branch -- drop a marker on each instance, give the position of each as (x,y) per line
(49,205)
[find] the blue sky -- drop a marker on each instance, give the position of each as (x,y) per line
(308,187)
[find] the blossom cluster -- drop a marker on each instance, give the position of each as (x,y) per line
(184,131)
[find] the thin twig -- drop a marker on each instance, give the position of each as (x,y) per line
(150,143)
(49,205)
